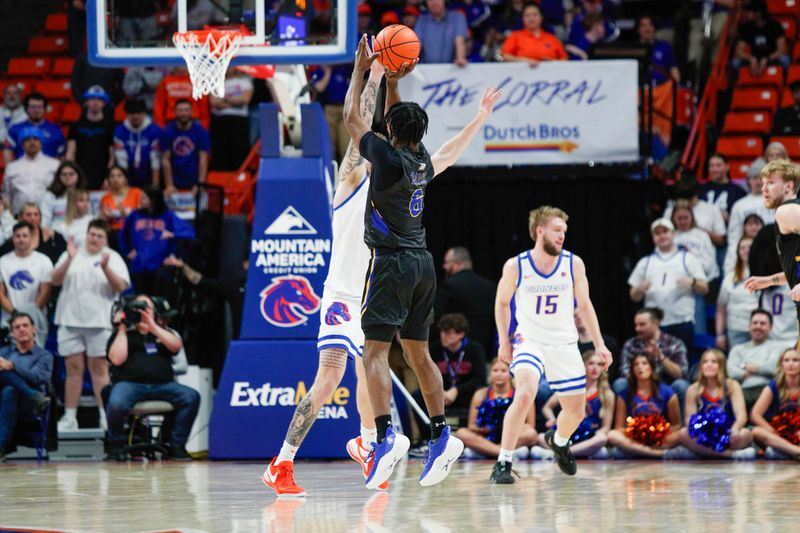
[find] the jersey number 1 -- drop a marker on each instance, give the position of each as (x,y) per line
(550,303)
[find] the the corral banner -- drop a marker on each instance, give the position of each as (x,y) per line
(563,112)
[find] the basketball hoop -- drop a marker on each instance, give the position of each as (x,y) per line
(207,54)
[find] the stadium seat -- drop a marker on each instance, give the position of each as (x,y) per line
(747,122)
(740,147)
(792,145)
(72,112)
(738,168)
(786,99)
(48,45)
(796,51)
(772,77)
(63,67)
(56,23)
(784,7)
(789,26)
(55,89)
(755,98)
(793,74)
(54,111)
(25,84)
(29,67)
(119,112)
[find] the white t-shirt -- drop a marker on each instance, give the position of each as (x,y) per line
(86,295)
(778,301)
(54,208)
(22,277)
(663,272)
(739,301)
(749,205)
(707,216)
(76,230)
(235,86)
(699,243)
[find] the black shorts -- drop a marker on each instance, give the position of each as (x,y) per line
(399,293)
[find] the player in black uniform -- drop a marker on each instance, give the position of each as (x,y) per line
(401,282)
(781,179)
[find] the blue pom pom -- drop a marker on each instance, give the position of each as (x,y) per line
(712,428)
(584,432)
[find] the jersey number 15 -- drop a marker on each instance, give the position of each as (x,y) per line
(547,303)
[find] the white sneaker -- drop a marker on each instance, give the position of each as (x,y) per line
(542,454)
(472,454)
(103,420)
(66,423)
(771,454)
(522,453)
(746,454)
(679,453)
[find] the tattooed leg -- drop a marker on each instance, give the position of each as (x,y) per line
(332,364)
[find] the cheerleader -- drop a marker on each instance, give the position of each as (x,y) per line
(590,438)
(776,414)
(486,412)
(647,421)
(715,413)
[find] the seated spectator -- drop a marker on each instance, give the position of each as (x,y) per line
(44,240)
(90,141)
(140,83)
(174,87)
(592,31)
(331,82)
(753,363)
(761,40)
(750,208)
(712,395)
(54,202)
(669,278)
(137,145)
(532,43)
(27,178)
(149,235)
(590,439)
(25,370)
(707,216)
(11,112)
(90,279)
(463,366)
(693,239)
(752,227)
(735,303)
(487,410)
(53,144)
(667,352)
(120,200)
(230,134)
(441,34)
(718,190)
(184,151)
(77,219)
(776,403)
(787,119)
(25,284)
(141,369)
(663,65)
(644,400)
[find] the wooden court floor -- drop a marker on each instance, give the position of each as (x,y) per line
(229,497)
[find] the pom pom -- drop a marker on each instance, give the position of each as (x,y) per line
(490,416)
(584,432)
(787,424)
(712,428)
(650,430)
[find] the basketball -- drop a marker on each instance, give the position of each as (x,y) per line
(397,44)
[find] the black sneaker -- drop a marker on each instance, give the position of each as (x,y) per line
(564,458)
(179,454)
(501,473)
(116,453)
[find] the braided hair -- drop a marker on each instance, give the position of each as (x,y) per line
(409,122)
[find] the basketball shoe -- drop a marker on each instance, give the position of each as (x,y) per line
(280,477)
(564,458)
(384,456)
(442,453)
(361,455)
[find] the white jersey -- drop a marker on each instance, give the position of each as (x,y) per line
(349,256)
(699,243)
(545,303)
(778,301)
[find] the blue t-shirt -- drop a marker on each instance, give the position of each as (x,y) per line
(139,147)
(337,86)
(654,405)
(54,144)
(185,147)
(662,59)
(437,38)
(579,40)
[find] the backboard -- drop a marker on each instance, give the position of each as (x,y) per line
(279,31)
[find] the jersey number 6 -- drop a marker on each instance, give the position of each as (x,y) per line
(417,203)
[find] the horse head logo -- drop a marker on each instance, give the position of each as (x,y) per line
(20,280)
(337,313)
(288,300)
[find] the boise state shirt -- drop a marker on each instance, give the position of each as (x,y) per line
(54,144)
(185,147)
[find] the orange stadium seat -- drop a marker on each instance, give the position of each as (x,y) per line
(747,122)
(773,76)
(29,67)
(119,112)
(789,26)
(55,89)
(48,45)
(755,98)
(786,99)
(54,111)
(792,145)
(739,147)
(56,23)
(796,51)
(738,168)
(72,112)
(793,74)
(62,67)
(783,7)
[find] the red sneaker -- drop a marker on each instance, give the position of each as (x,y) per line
(280,477)
(361,455)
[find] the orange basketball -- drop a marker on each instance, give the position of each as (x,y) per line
(397,44)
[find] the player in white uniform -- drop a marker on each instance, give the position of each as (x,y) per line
(340,335)
(548,284)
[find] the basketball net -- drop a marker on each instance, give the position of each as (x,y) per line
(207,54)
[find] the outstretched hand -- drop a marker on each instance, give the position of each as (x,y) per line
(405,69)
(364,55)
(490,97)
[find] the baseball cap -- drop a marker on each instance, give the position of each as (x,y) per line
(96,91)
(661,222)
(411,10)
(31,131)
(390,17)
(364,9)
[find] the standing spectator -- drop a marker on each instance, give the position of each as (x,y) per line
(184,150)
(53,143)
(668,279)
(27,178)
(90,141)
(752,227)
(464,291)
(692,238)
(149,236)
(25,281)
(137,22)
(761,40)
(25,370)
(54,203)
(85,76)
(230,133)
(663,66)
(532,43)
(11,112)
(174,87)
(718,190)
(331,82)
(753,363)
(44,240)
(120,200)
(787,119)
(76,220)
(752,204)
(136,145)
(442,34)
(90,278)
(593,30)
(708,217)
(140,83)
(735,303)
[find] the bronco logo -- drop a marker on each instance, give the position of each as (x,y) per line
(337,313)
(288,300)
(20,280)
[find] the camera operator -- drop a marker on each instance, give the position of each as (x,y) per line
(140,351)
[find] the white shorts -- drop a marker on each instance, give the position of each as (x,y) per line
(562,366)
(91,341)
(340,325)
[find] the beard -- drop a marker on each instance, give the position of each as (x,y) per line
(551,248)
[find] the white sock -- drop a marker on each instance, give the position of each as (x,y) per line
(368,436)
(506,456)
(102,413)
(560,441)
(287,453)
(71,412)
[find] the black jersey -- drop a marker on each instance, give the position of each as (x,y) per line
(789,252)
(396,198)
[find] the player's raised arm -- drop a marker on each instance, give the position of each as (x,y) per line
(586,310)
(355,123)
(392,81)
(502,307)
(353,164)
(451,150)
